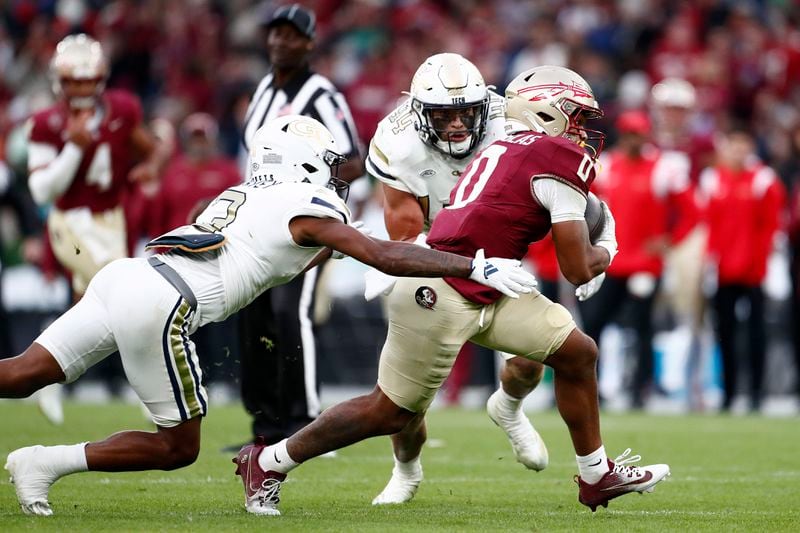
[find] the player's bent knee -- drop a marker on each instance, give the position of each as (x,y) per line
(388,416)
(182,454)
(181,444)
(577,357)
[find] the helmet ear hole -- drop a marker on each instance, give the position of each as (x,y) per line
(545,117)
(309,168)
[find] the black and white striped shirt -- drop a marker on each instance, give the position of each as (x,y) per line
(308,94)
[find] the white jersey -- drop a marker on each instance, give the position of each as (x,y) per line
(259,251)
(401,160)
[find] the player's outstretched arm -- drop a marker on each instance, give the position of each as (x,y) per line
(405,259)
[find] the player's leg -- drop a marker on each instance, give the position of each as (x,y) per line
(575,380)
(407,471)
(538,329)
(518,377)
(523,331)
(421,346)
(63,352)
(263,467)
(148,321)
(28,372)
(168,448)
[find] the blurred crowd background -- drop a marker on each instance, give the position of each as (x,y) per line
(195,64)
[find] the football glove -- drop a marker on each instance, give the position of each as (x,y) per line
(504,275)
(608,237)
(590,288)
(359,225)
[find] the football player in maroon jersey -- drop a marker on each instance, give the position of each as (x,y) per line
(516,190)
(83,153)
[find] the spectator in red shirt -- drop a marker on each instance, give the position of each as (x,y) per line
(643,186)
(744,201)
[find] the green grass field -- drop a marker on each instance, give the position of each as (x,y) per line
(728,474)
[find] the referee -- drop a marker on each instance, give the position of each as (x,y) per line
(279,378)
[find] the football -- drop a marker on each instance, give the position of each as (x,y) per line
(595,217)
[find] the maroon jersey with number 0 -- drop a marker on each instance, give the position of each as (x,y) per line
(493,205)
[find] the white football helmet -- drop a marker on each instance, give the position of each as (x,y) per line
(79,57)
(555,101)
(295,148)
(449,82)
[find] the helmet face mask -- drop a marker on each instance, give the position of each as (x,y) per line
(295,148)
(557,102)
(79,70)
(450,102)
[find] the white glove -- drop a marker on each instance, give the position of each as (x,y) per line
(504,275)
(608,237)
(359,225)
(590,288)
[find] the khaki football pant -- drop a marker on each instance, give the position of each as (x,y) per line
(422,342)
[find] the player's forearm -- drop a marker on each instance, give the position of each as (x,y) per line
(404,259)
(51,181)
(580,268)
(599,261)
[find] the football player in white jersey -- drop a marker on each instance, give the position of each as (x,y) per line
(419,152)
(254,236)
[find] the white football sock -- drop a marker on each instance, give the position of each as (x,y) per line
(509,402)
(276,458)
(593,467)
(67,459)
(412,468)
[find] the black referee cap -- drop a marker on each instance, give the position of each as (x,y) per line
(301,18)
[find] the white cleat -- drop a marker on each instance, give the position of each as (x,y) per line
(528,446)
(32,479)
(50,404)
(400,489)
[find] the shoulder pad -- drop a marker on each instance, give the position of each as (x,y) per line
(323,203)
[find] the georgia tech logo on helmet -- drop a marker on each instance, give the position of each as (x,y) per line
(307,128)
(425,297)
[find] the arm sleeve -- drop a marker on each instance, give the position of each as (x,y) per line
(562,201)
(50,181)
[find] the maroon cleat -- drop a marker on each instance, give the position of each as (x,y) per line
(620,479)
(261,489)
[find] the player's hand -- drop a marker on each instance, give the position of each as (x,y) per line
(608,237)
(590,288)
(504,275)
(78,128)
(359,225)
(143,173)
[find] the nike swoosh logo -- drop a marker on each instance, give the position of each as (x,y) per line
(597,463)
(275,456)
(645,479)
